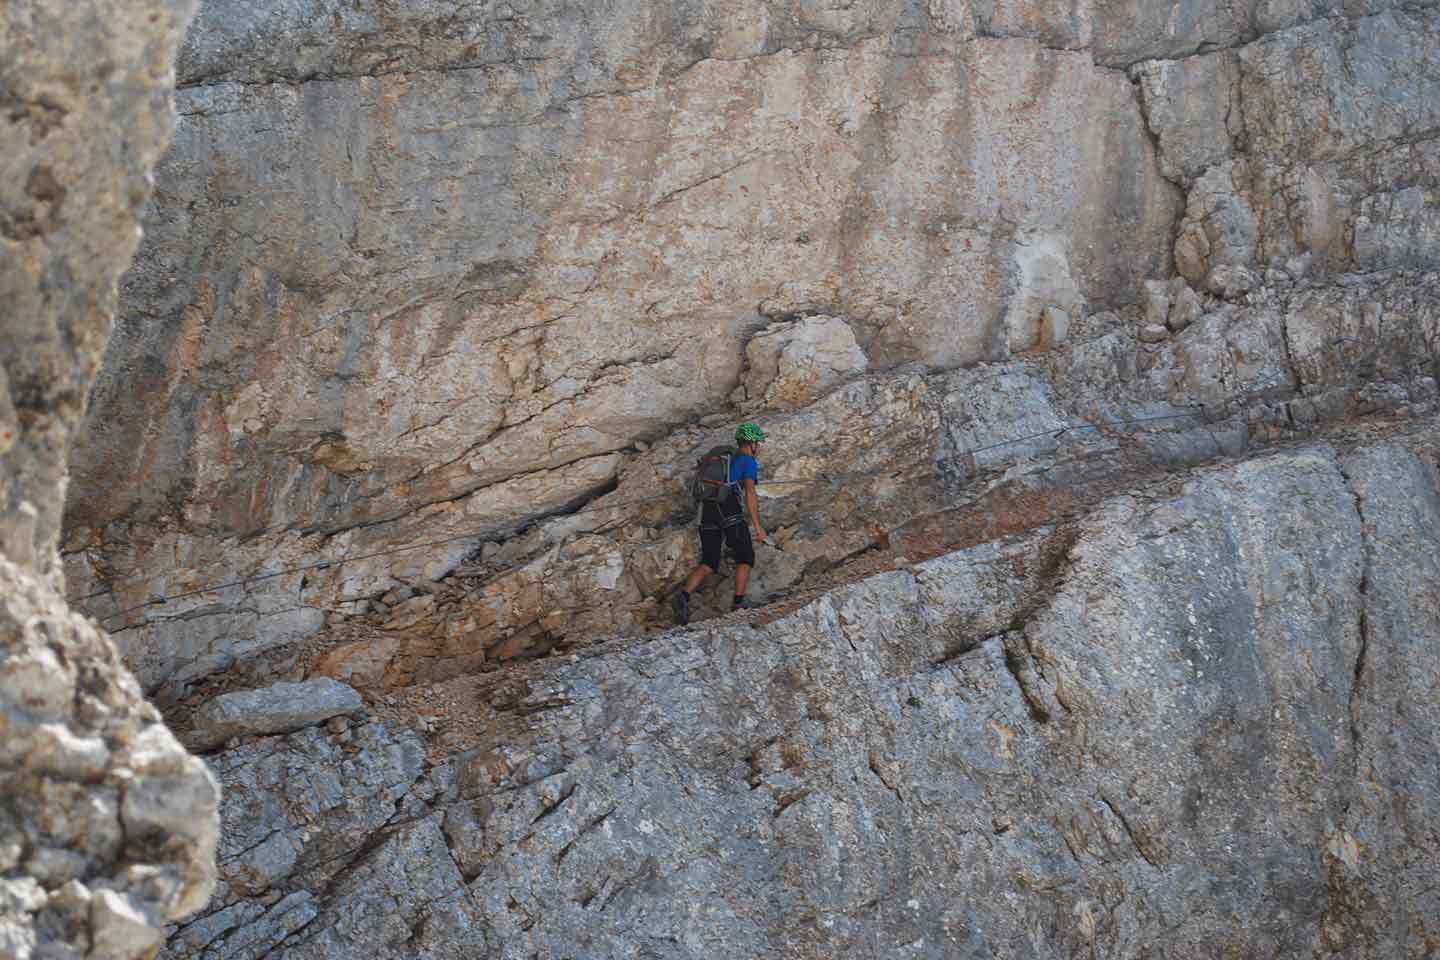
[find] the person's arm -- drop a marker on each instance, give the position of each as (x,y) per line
(752,501)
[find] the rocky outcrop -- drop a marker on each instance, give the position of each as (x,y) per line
(107,827)
(1338,122)
(432,275)
(1195,721)
(69,201)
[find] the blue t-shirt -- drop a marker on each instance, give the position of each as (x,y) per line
(743,467)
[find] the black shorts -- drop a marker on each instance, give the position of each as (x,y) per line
(736,533)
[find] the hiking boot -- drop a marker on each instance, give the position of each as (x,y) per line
(680,603)
(746,603)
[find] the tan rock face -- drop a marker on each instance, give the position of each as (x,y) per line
(591,276)
(434,300)
(69,200)
(788,365)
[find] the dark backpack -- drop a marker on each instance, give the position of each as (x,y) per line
(712,476)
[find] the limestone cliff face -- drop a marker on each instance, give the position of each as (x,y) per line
(1103,338)
(107,826)
(444,271)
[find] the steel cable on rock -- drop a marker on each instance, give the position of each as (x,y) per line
(1204,411)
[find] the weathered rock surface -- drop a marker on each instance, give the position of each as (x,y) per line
(790,364)
(1339,121)
(71,189)
(1395,713)
(1192,724)
(918,442)
(107,826)
(440,301)
(279,708)
(443,273)
(318,807)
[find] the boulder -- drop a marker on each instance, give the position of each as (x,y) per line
(1231,281)
(1153,333)
(1185,309)
(280,708)
(790,364)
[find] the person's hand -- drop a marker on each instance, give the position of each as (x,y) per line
(759,534)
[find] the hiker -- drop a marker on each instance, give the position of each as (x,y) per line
(724,485)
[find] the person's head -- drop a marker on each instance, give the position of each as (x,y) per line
(749,435)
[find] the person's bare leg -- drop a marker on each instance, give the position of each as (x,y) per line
(697,575)
(742,578)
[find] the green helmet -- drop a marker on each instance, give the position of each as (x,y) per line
(749,433)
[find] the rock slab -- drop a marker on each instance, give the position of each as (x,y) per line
(280,708)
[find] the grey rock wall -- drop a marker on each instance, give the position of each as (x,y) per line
(107,826)
(1197,722)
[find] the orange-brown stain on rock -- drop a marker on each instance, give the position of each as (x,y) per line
(1003,513)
